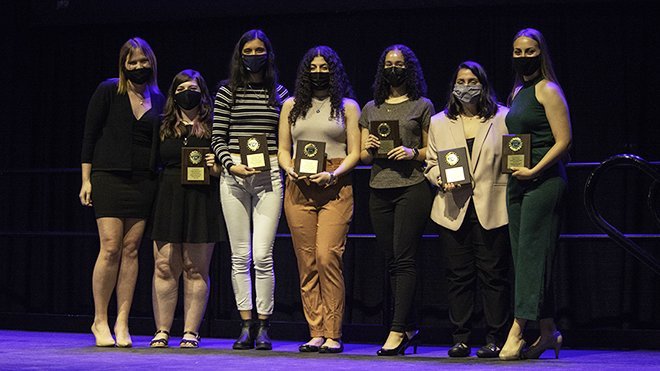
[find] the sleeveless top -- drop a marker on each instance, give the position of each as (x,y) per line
(527,116)
(317,125)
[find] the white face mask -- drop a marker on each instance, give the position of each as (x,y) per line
(466,93)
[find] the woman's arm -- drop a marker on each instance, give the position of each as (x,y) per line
(429,112)
(85,194)
(221,117)
(284,155)
(369,143)
(97,114)
(432,171)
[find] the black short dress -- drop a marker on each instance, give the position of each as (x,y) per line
(122,150)
(185,213)
(128,194)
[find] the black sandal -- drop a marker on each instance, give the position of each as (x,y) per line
(188,343)
(160,342)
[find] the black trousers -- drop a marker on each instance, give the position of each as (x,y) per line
(476,257)
(399,216)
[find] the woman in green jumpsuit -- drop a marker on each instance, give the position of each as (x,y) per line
(537,107)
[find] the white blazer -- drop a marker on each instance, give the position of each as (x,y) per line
(488,190)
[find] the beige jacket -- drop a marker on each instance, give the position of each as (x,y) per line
(488,183)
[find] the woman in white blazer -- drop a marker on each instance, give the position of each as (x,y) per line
(473,217)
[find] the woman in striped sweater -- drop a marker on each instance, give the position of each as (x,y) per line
(247,104)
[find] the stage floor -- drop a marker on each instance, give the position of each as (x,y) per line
(67,351)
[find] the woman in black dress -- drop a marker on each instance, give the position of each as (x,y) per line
(186,218)
(118,158)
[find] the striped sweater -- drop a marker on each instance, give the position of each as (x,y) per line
(250,115)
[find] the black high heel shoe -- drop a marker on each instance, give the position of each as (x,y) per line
(403,345)
(535,351)
(414,341)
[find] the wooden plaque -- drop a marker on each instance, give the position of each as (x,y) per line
(454,166)
(310,157)
(387,132)
(516,151)
(193,165)
(254,152)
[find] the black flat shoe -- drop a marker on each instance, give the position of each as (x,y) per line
(306,348)
(262,340)
(489,350)
(245,339)
(459,350)
(326,349)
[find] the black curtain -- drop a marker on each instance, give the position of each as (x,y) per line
(605,54)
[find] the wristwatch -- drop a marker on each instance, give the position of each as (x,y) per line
(333,178)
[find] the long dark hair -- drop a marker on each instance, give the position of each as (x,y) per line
(415,83)
(172,126)
(487,104)
(547,71)
(339,88)
(239,76)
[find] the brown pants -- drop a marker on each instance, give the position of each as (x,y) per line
(319,218)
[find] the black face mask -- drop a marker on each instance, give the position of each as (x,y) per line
(255,63)
(139,76)
(395,76)
(527,65)
(188,99)
(319,80)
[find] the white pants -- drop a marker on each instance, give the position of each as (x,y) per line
(252,204)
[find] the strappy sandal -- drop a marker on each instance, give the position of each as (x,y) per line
(161,342)
(190,343)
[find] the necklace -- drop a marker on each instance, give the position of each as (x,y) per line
(318,109)
(140,97)
(395,102)
(188,125)
(257,92)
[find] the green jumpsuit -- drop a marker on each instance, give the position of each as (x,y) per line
(534,210)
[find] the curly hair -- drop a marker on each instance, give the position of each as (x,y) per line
(415,84)
(172,126)
(239,76)
(487,104)
(339,87)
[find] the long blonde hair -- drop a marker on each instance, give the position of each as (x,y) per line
(125,52)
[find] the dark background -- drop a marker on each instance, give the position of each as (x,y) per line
(55,53)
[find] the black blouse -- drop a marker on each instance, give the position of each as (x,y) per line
(114,137)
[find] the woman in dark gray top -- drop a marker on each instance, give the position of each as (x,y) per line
(400,200)
(119,153)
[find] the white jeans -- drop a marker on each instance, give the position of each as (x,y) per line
(252,204)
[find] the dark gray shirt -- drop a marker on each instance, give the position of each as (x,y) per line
(413,117)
